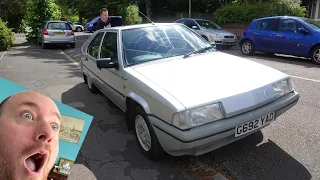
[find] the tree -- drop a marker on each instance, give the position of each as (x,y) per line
(40,11)
(13,11)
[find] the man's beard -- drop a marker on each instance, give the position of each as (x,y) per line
(8,166)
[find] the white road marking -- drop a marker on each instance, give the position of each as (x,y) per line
(69,58)
(307,79)
(3,55)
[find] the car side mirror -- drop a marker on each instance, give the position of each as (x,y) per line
(303,31)
(106,63)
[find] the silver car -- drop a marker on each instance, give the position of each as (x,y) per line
(211,32)
(56,32)
(180,95)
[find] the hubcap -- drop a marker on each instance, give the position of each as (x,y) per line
(246,47)
(143,133)
(316,55)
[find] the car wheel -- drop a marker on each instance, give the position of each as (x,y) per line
(315,55)
(247,47)
(73,45)
(92,88)
(44,45)
(145,135)
(78,29)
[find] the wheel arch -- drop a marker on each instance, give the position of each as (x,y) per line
(311,49)
(134,98)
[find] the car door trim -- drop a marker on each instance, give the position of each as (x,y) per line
(105,82)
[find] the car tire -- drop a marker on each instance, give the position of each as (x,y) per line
(92,88)
(247,47)
(73,45)
(144,132)
(44,45)
(78,29)
(315,55)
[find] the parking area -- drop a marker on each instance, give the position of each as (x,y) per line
(287,149)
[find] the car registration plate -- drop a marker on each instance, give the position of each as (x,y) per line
(59,33)
(229,40)
(253,125)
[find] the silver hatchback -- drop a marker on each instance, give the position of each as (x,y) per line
(211,32)
(56,32)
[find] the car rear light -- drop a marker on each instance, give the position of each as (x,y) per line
(72,33)
(45,32)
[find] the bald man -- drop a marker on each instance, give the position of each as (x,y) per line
(29,129)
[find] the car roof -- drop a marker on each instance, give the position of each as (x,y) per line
(135,26)
(196,19)
(57,21)
(272,17)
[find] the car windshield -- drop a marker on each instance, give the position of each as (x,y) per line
(58,26)
(158,42)
(96,19)
(312,23)
(208,24)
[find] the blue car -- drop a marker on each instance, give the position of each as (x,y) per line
(284,35)
(115,21)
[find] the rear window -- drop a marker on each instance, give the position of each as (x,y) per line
(58,25)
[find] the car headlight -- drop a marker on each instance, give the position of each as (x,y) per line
(283,87)
(198,116)
(217,36)
(90,25)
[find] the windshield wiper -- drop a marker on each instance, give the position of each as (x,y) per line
(202,50)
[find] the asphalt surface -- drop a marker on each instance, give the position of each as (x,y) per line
(287,149)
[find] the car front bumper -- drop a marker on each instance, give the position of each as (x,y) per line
(206,138)
(225,42)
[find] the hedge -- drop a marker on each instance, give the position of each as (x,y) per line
(5,36)
(245,13)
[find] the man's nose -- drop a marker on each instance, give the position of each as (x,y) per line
(44,132)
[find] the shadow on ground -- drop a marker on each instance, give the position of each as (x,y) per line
(109,149)
(300,61)
(51,55)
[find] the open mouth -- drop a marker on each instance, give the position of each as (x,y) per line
(35,162)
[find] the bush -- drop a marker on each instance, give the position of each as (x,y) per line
(130,15)
(245,13)
(5,36)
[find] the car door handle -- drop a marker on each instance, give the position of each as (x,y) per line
(279,35)
(256,33)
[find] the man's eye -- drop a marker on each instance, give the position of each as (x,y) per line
(27,115)
(55,126)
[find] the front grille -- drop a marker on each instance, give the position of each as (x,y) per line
(228,36)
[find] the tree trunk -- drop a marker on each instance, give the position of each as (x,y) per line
(148,8)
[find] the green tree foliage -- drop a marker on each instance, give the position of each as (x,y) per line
(13,12)
(40,11)
(5,36)
(130,15)
(246,12)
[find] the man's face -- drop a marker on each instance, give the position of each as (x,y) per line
(104,16)
(29,129)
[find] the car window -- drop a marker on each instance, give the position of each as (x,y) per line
(289,25)
(266,24)
(190,23)
(109,46)
(58,26)
(93,48)
(208,24)
(150,43)
(312,23)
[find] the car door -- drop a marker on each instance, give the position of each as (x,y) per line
(114,79)
(89,61)
(264,34)
(289,40)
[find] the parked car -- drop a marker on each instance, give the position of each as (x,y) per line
(180,94)
(56,32)
(76,26)
(211,32)
(115,21)
(284,35)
